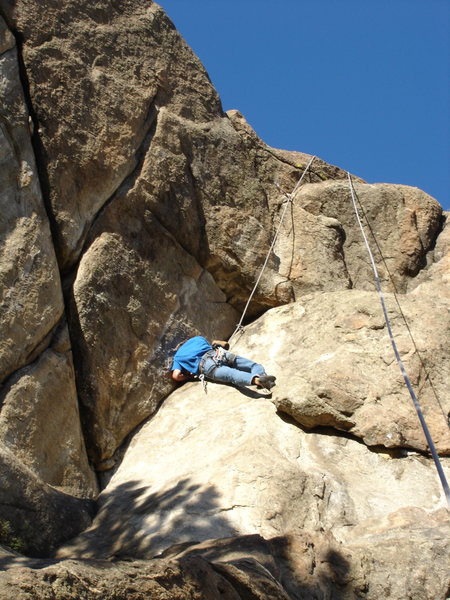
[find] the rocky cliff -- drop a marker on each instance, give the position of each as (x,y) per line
(135,213)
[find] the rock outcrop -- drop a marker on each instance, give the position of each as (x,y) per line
(39,415)
(137,213)
(346,375)
(32,300)
(434,280)
(400,252)
(124,173)
(311,565)
(252,470)
(35,518)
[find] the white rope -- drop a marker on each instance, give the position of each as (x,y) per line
(290,198)
(416,403)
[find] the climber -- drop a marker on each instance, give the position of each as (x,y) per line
(196,357)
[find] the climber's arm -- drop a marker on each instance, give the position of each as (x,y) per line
(221,343)
(178,375)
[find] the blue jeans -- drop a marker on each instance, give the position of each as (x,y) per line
(232,369)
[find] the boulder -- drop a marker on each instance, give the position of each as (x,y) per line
(434,280)
(32,305)
(137,294)
(402,555)
(42,441)
(314,565)
(400,252)
(184,579)
(336,366)
(88,139)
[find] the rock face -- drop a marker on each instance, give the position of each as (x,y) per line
(399,252)
(41,425)
(185,580)
(249,471)
(157,172)
(132,296)
(137,213)
(31,300)
(435,279)
(346,373)
(127,173)
(39,416)
(36,518)
(311,565)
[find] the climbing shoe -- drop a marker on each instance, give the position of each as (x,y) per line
(266,381)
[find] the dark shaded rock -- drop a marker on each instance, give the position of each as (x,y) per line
(36,518)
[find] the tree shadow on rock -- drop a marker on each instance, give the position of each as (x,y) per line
(134,521)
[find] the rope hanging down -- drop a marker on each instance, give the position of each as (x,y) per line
(427,378)
(416,403)
(289,200)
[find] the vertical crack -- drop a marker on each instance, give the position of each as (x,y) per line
(40,155)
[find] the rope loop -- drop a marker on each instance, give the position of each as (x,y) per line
(289,200)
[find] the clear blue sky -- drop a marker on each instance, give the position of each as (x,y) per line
(364,84)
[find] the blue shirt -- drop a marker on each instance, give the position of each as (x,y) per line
(188,355)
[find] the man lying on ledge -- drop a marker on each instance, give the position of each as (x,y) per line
(197,356)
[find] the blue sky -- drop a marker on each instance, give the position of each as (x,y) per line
(363,84)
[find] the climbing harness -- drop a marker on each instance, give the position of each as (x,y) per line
(416,403)
(219,355)
(287,202)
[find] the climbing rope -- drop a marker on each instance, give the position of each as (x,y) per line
(287,202)
(416,403)
(427,378)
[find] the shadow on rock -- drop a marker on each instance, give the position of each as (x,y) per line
(240,568)
(134,521)
(311,565)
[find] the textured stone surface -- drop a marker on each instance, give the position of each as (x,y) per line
(132,297)
(40,422)
(30,290)
(38,404)
(336,366)
(403,556)
(314,565)
(42,441)
(188,579)
(162,209)
(310,565)
(155,130)
(434,280)
(153,189)
(71,59)
(34,517)
(248,471)
(417,219)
